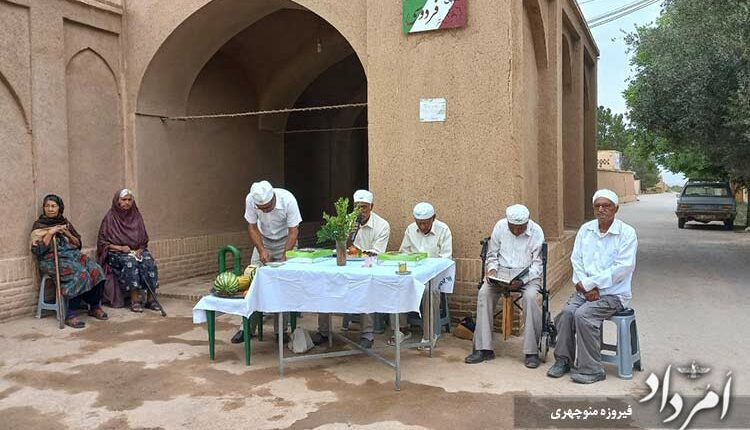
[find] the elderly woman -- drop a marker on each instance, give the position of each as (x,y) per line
(80,277)
(122,251)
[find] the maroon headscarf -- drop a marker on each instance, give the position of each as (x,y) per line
(121,227)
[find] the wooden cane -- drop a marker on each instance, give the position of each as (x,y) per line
(58,289)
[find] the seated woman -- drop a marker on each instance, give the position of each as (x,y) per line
(122,251)
(80,277)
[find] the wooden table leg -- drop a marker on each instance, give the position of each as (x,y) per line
(507,316)
(211,320)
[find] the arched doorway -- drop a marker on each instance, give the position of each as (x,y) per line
(325,152)
(285,56)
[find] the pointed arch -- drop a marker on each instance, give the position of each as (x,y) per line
(538,30)
(14,95)
(104,60)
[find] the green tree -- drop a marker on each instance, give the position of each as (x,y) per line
(691,89)
(614,133)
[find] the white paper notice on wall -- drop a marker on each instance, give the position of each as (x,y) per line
(432,110)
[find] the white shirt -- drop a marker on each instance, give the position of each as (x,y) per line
(438,242)
(373,235)
(274,225)
(508,250)
(605,260)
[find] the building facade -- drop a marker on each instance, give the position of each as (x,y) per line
(94,95)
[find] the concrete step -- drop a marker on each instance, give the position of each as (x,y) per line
(190,289)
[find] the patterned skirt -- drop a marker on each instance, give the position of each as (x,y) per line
(133,274)
(78,272)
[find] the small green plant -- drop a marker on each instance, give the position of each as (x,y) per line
(338,227)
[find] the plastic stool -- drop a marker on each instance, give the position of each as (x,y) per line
(44,306)
(444,316)
(627,349)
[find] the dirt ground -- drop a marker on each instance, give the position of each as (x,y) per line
(147,372)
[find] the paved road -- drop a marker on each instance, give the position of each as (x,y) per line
(691,292)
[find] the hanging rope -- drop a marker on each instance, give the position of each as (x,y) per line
(319,130)
(253,113)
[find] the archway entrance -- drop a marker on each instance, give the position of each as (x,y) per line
(285,57)
(325,152)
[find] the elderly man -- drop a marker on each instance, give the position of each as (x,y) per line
(273,220)
(516,242)
(430,235)
(603,263)
(371,237)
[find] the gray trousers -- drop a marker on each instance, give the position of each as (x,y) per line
(402,317)
(275,250)
(578,331)
(486,304)
(366,322)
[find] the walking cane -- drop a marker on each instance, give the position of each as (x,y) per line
(58,290)
(153,295)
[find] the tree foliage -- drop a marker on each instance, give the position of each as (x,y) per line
(612,132)
(691,89)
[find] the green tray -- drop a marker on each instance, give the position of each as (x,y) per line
(398,256)
(311,253)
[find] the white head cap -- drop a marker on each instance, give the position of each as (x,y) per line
(363,196)
(607,194)
(261,192)
(423,210)
(517,214)
(125,192)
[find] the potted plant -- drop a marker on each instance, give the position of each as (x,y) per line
(338,228)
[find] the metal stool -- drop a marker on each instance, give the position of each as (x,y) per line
(627,350)
(44,306)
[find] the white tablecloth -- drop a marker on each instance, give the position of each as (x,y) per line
(326,287)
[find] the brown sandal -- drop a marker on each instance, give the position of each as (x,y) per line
(99,314)
(136,307)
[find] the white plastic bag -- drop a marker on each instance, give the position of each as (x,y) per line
(301,341)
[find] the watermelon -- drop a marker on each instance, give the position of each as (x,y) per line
(227,284)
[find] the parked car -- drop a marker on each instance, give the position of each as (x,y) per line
(706,201)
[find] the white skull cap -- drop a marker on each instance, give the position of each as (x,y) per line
(607,194)
(423,210)
(517,214)
(261,192)
(363,196)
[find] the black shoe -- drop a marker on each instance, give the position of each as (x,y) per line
(365,343)
(558,369)
(318,338)
(583,378)
(238,337)
(532,361)
(479,356)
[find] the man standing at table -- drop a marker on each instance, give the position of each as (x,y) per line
(273,220)
(516,242)
(372,234)
(430,235)
(603,263)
